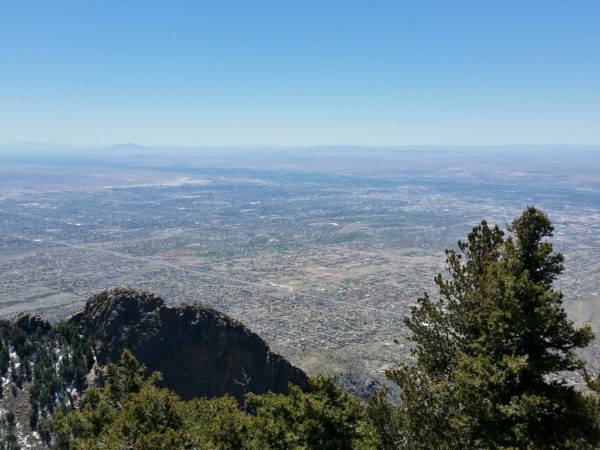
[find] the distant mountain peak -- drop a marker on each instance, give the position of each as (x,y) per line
(128,145)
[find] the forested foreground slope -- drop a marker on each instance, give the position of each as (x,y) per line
(490,355)
(199,352)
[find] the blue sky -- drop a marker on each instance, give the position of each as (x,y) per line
(300,72)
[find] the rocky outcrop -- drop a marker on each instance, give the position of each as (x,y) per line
(31,323)
(200,352)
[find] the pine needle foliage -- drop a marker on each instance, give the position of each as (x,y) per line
(130,412)
(493,349)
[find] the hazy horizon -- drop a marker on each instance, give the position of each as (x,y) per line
(61,145)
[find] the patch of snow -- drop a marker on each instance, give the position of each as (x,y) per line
(15,358)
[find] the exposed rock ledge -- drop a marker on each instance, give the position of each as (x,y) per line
(200,352)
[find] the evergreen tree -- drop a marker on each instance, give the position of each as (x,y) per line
(130,412)
(8,432)
(327,418)
(491,349)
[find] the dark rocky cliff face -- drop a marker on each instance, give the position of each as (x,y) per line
(30,323)
(199,351)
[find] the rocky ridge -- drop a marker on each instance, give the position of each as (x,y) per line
(200,351)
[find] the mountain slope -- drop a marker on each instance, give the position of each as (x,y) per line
(200,352)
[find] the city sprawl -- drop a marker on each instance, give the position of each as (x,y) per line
(320,251)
